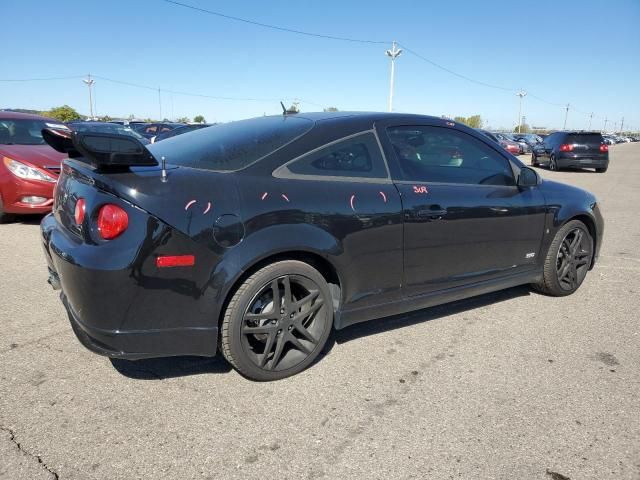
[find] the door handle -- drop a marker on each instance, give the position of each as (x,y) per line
(435,213)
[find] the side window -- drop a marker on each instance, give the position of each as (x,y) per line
(437,154)
(356,157)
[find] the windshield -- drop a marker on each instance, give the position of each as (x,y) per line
(24,131)
(231,146)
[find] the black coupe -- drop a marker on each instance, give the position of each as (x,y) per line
(258,237)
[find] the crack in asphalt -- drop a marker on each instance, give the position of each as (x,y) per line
(12,437)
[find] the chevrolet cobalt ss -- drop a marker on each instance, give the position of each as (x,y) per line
(258,237)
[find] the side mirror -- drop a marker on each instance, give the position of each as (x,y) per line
(528,177)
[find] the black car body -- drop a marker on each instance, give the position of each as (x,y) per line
(395,213)
(572,149)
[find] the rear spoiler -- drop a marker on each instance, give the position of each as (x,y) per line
(102,150)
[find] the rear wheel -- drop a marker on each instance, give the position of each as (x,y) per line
(568,260)
(534,160)
(278,321)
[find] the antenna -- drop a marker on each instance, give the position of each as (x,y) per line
(164,168)
(284,109)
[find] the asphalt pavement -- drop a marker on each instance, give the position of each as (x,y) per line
(511,385)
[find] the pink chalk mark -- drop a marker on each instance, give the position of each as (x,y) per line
(206,210)
(384,197)
(285,197)
(264,195)
(188,205)
(353,197)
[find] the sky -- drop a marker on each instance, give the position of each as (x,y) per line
(582,53)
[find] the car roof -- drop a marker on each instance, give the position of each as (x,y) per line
(5,114)
(361,116)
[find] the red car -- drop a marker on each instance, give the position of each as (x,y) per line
(29,167)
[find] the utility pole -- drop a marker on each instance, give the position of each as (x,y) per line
(590,118)
(393,54)
(520,94)
(605,125)
(566,114)
(621,126)
(89,83)
(159,104)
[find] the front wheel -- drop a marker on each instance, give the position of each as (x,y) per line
(568,260)
(534,160)
(5,217)
(278,321)
(553,164)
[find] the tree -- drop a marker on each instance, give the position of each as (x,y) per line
(182,120)
(64,113)
(524,128)
(331,109)
(474,121)
(199,119)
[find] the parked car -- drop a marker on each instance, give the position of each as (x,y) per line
(505,143)
(262,235)
(522,145)
(29,167)
(574,149)
(530,139)
(508,144)
(179,131)
(106,127)
(149,130)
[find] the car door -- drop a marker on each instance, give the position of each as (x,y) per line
(347,183)
(465,220)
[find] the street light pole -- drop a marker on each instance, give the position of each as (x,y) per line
(605,125)
(622,126)
(590,118)
(566,114)
(520,94)
(393,54)
(160,104)
(89,83)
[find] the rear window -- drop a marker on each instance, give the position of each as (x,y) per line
(585,138)
(231,146)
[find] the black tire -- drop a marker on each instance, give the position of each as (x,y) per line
(553,164)
(5,217)
(534,160)
(265,343)
(567,263)
(601,170)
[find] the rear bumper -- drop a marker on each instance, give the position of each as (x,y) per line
(13,189)
(574,161)
(136,345)
(116,313)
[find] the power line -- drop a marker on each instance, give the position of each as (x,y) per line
(274,27)
(40,79)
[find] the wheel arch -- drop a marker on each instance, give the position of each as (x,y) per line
(315,260)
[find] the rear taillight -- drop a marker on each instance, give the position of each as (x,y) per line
(566,147)
(112,221)
(79,212)
(604,147)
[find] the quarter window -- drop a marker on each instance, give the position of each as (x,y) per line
(436,154)
(356,157)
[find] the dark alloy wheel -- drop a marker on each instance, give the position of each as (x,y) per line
(553,165)
(278,321)
(568,260)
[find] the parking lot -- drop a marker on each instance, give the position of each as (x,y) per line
(511,385)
